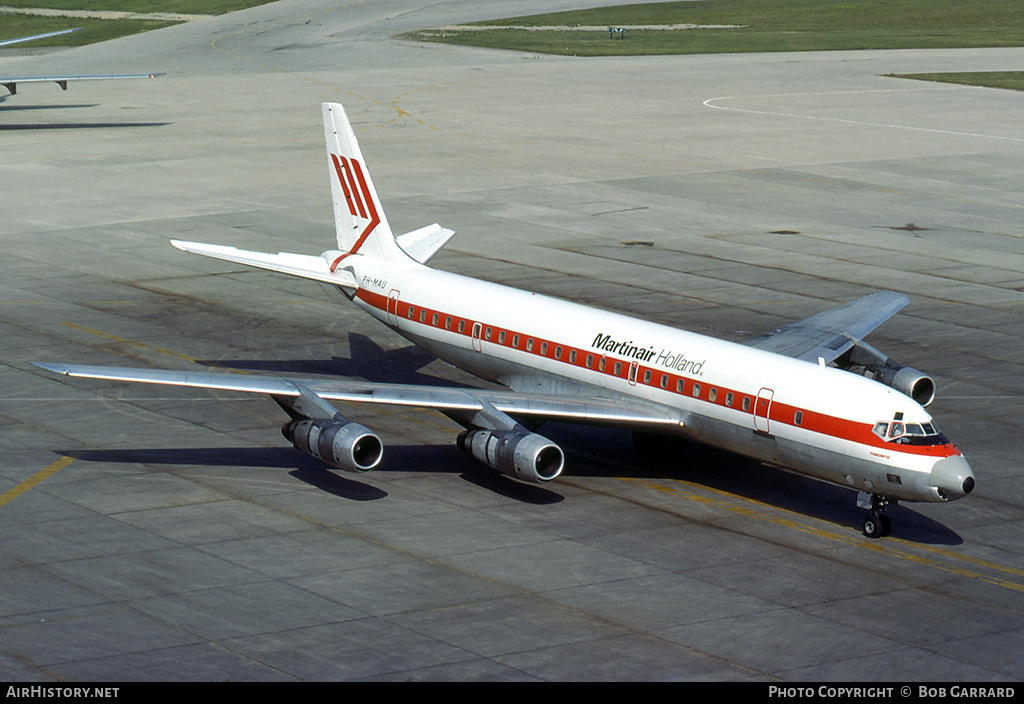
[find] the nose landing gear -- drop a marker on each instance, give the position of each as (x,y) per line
(876,525)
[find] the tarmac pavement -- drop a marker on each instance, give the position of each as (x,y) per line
(165,534)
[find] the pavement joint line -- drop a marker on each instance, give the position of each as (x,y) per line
(710,102)
(134,343)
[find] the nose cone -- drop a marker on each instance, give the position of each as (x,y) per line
(952,478)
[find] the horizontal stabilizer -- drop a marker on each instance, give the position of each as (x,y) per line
(304,265)
(424,243)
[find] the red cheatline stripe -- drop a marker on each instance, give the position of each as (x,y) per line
(781,413)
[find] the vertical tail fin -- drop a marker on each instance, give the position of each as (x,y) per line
(358,216)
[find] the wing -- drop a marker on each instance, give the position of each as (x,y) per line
(11,83)
(830,334)
(33,37)
(461,401)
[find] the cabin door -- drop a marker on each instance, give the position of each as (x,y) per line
(393,307)
(762,410)
(476,332)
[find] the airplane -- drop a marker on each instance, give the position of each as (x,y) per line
(11,82)
(810,397)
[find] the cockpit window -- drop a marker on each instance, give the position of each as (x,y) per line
(909,433)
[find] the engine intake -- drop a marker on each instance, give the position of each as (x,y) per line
(338,442)
(525,456)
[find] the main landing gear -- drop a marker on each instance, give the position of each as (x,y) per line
(876,525)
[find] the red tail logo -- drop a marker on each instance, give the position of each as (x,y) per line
(358,197)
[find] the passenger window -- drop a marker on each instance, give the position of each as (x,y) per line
(487,334)
(501,337)
(590,361)
(515,341)
(412,312)
(647,376)
(712,394)
(679,386)
(448,323)
(529,344)
(462,326)
(695,391)
(433,320)
(572,356)
(544,349)
(558,352)
(728,399)
(618,369)
(423,316)
(798,418)
(746,403)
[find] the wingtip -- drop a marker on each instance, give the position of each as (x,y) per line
(55,368)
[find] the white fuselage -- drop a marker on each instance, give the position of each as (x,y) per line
(813,419)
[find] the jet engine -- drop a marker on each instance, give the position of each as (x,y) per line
(514,453)
(338,442)
(907,380)
(867,361)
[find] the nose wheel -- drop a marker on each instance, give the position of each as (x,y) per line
(877,524)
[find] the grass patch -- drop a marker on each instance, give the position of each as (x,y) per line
(1009,80)
(92,30)
(736,26)
(187,7)
(14,25)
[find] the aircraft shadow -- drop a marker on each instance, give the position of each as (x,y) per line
(612,453)
(448,459)
(405,458)
(12,108)
(592,452)
(78,125)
